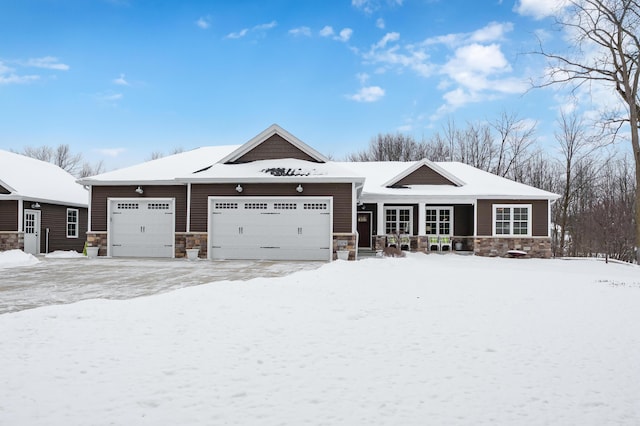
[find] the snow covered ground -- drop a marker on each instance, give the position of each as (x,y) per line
(426,339)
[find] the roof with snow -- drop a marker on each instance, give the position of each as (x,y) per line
(166,169)
(35,180)
(276,171)
(470,182)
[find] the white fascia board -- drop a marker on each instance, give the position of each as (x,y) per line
(279,179)
(89,182)
(433,166)
(436,199)
(7,186)
(16,197)
(266,134)
(518,197)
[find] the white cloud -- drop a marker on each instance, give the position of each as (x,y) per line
(120,81)
(111,152)
(362,77)
(17,79)
(264,27)
(235,35)
(396,56)
(540,9)
(389,37)
(344,35)
(326,31)
(109,97)
(495,31)
(380,23)
(204,22)
(48,62)
(368,94)
(258,28)
(367,6)
(300,32)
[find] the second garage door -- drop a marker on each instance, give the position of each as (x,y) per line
(297,228)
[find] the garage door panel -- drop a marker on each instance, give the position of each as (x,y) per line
(142,228)
(270,229)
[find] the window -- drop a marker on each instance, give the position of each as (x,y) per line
(439,220)
(72,223)
(398,220)
(512,219)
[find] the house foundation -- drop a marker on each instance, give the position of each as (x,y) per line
(10,240)
(499,247)
(191,240)
(98,239)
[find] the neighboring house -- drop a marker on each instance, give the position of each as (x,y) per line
(42,208)
(275,197)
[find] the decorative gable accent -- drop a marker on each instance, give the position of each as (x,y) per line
(272,144)
(424,172)
(5,189)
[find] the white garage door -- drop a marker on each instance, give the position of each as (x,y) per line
(296,228)
(142,228)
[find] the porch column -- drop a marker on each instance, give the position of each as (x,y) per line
(422,217)
(380,225)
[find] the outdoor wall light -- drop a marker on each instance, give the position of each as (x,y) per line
(239,188)
(35,205)
(139,190)
(299,188)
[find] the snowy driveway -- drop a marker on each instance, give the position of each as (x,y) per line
(59,281)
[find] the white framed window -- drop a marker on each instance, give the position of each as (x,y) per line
(512,220)
(398,220)
(72,223)
(439,220)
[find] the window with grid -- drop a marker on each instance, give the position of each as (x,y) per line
(512,220)
(398,220)
(438,220)
(72,223)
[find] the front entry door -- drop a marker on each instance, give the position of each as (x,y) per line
(32,231)
(364,229)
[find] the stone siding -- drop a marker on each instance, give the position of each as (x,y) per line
(11,241)
(539,247)
(345,241)
(98,239)
(189,240)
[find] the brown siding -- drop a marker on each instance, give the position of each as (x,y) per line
(424,176)
(463,220)
(99,195)
(54,217)
(4,190)
(539,216)
(272,149)
(341,193)
(8,215)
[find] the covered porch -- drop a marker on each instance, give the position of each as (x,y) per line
(420,226)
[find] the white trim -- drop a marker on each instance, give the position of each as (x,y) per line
(380,221)
(511,220)
(354,209)
(89,209)
(7,186)
(266,134)
(475,219)
(20,215)
(188,207)
(76,223)
(430,164)
(422,218)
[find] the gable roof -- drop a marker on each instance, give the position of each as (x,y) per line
(476,183)
(265,136)
(415,167)
(35,180)
(163,171)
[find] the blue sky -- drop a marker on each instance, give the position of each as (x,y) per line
(119,79)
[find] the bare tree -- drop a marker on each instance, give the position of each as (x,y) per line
(515,138)
(391,147)
(61,156)
(607,50)
(89,169)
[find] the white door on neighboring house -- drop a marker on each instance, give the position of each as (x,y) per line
(32,231)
